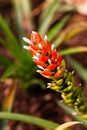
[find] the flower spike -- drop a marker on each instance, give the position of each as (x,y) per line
(51,65)
(47,58)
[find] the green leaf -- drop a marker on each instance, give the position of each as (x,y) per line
(73,50)
(3,42)
(74,30)
(69,32)
(5,28)
(66,125)
(10,70)
(28,119)
(57,27)
(78,67)
(48,17)
(18,14)
(4,61)
(73,113)
(13,45)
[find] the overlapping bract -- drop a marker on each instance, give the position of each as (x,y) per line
(45,56)
(51,65)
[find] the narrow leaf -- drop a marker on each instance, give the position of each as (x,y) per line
(8,103)
(3,42)
(75,29)
(70,32)
(28,119)
(75,114)
(5,28)
(57,27)
(48,17)
(74,50)
(78,67)
(18,12)
(4,61)
(10,70)
(13,45)
(66,125)
(8,100)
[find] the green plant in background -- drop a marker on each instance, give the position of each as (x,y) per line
(52,66)
(22,70)
(22,63)
(19,69)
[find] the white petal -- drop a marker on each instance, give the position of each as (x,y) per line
(40,67)
(30,48)
(38,54)
(35,57)
(45,37)
(38,71)
(33,32)
(26,47)
(49,61)
(27,40)
(58,68)
(52,47)
(40,45)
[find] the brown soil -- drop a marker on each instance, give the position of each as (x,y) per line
(39,102)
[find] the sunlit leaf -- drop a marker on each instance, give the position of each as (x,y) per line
(8,100)
(69,32)
(73,50)
(66,125)
(48,17)
(74,30)
(18,14)
(84,116)
(57,27)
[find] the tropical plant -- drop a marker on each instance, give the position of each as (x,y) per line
(22,70)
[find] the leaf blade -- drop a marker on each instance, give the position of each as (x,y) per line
(67,124)
(78,67)
(48,17)
(4,61)
(57,27)
(10,70)
(78,49)
(28,119)
(13,45)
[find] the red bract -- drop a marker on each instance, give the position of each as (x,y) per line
(45,56)
(45,73)
(35,37)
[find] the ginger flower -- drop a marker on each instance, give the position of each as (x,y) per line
(51,65)
(45,56)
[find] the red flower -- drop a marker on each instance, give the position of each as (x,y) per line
(45,56)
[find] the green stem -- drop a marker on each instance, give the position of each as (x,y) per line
(28,119)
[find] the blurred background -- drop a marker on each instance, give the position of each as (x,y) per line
(65,24)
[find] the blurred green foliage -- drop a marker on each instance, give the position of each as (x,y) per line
(21,66)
